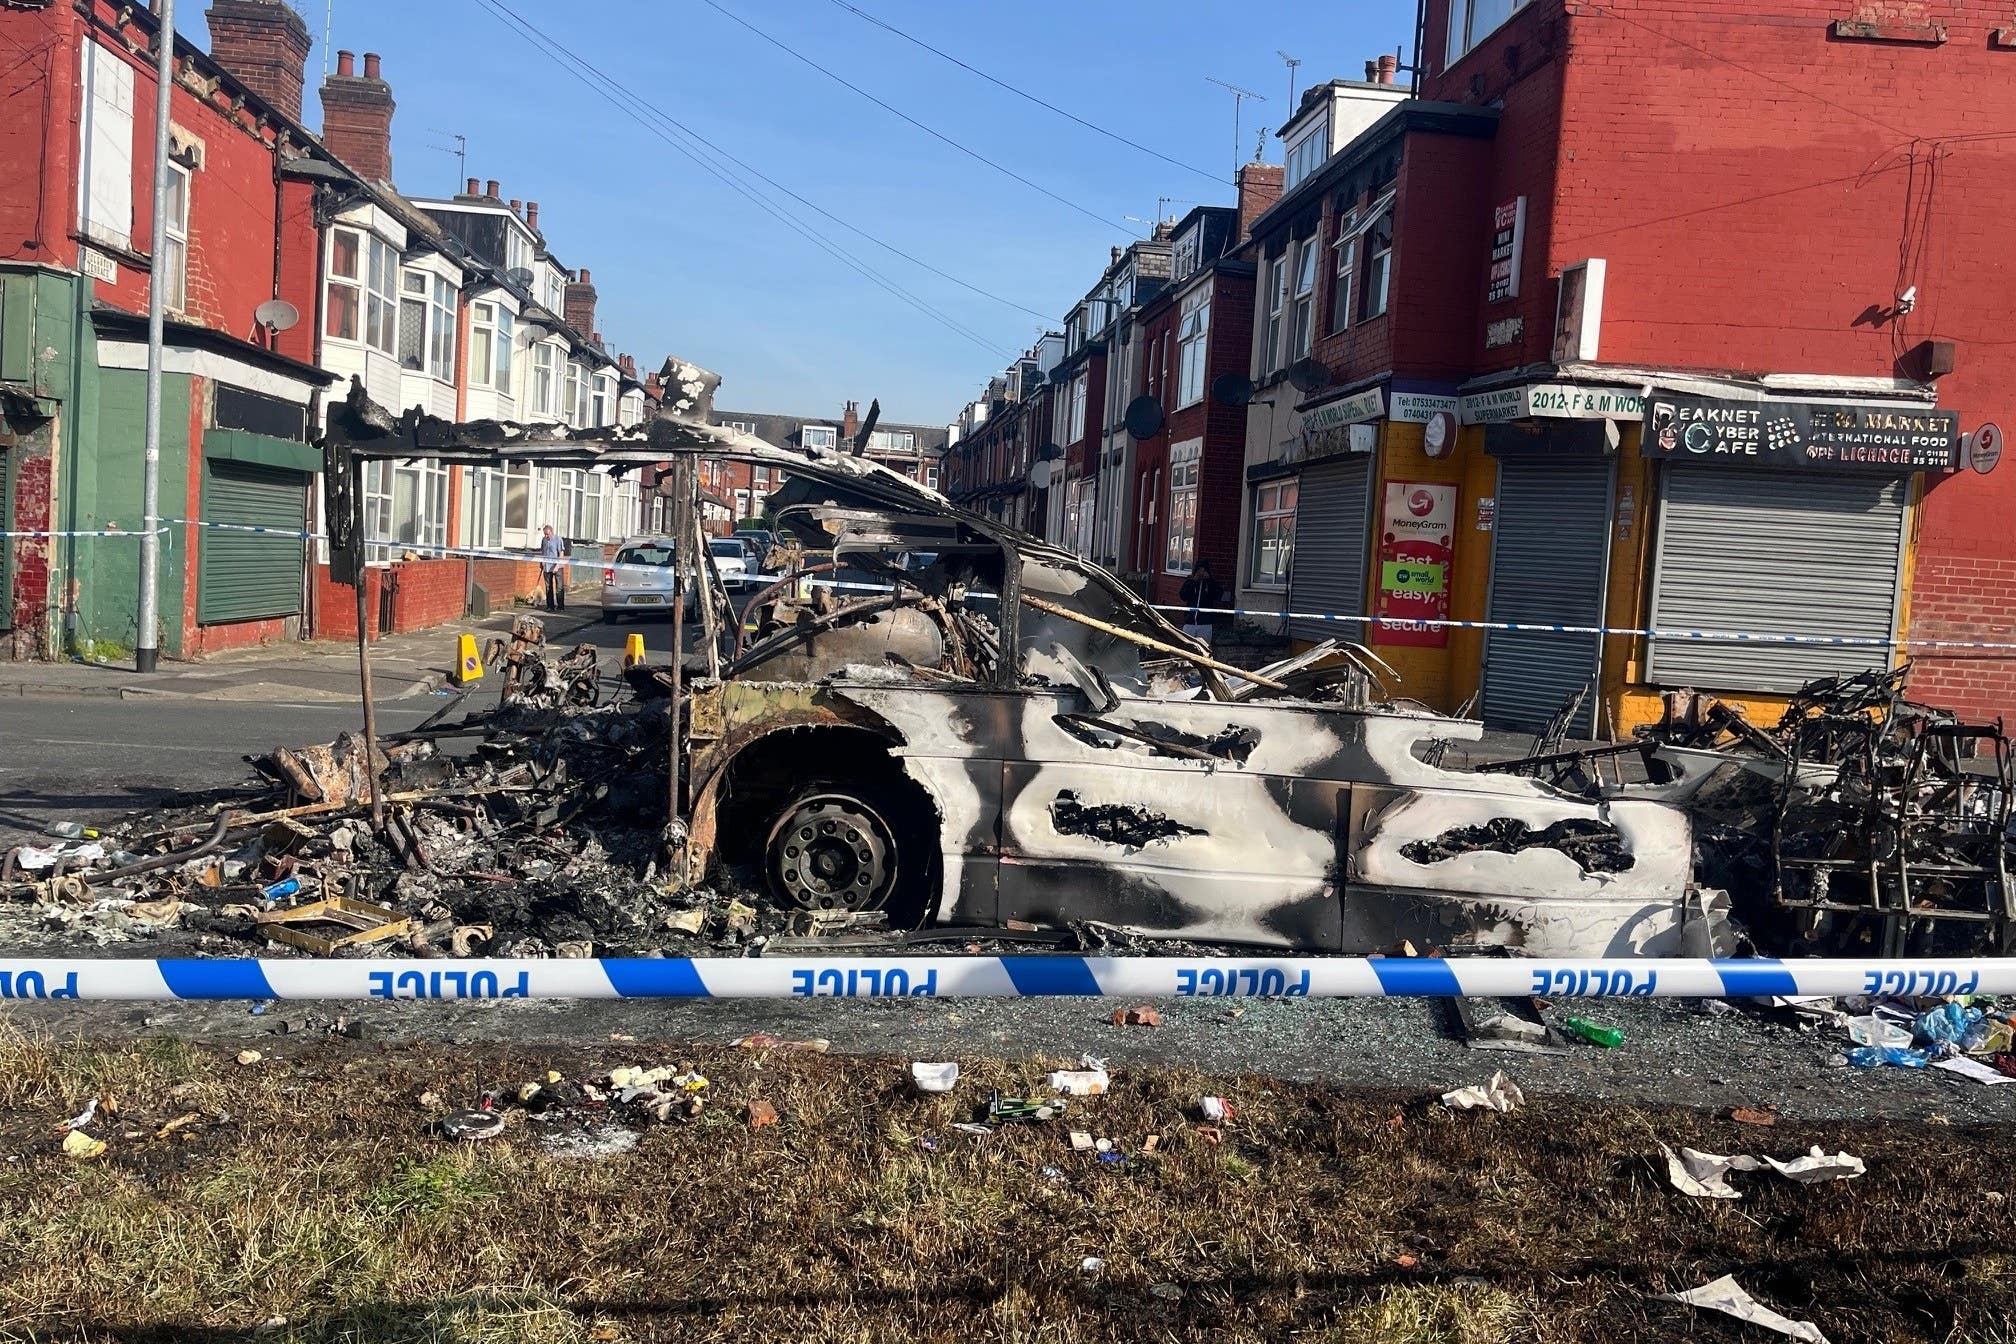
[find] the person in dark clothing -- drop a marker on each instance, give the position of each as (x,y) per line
(1201,592)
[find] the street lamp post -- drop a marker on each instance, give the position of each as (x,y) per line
(146,647)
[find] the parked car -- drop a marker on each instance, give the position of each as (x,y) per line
(760,543)
(734,563)
(639,580)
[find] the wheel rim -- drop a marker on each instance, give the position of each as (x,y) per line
(832,852)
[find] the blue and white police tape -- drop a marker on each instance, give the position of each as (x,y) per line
(988,977)
(99,532)
(1634,632)
(1647,632)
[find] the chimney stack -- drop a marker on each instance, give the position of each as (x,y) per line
(1259,187)
(532,215)
(265,44)
(1389,66)
(850,425)
(357,117)
(490,190)
(580,303)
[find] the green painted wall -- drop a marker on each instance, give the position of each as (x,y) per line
(109,457)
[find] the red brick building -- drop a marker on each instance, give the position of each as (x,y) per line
(1602,238)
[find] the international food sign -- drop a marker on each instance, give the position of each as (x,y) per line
(1802,435)
(1416,534)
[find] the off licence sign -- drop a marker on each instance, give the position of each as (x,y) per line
(1823,436)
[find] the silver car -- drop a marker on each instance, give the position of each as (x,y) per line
(639,579)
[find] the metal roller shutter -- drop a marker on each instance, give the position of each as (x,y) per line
(1550,559)
(245,576)
(1774,553)
(1332,525)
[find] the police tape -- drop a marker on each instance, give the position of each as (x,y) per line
(1535,627)
(951,977)
(31,533)
(1647,632)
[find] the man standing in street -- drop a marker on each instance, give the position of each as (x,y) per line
(553,566)
(1201,592)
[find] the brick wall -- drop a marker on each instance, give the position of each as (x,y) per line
(265,43)
(29,602)
(507,581)
(427,593)
(357,117)
(336,605)
(1961,597)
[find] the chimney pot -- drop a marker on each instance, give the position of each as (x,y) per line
(1371,72)
(584,277)
(532,215)
(346,63)
(471,188)
(371,65)
(1389,66)
(490,189)
(517,206)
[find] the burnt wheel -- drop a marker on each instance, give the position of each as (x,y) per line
(833,850)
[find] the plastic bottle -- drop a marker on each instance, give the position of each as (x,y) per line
(70,830)
(1607,1037)
(1873,1056)
(286,886)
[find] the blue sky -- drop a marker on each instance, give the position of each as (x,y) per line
(686,265)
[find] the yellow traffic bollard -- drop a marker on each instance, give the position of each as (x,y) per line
(633,651)
(468,663)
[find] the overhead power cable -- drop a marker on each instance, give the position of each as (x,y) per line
(934,133)
(1094,126)
(643,113)
(829,215)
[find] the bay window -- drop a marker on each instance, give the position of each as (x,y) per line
(501,357)
(819,436)
(545,371)
(361,304)
(1272,552)
(604,393)
(427,325)
(486,508)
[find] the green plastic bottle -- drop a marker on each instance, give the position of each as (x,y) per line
(1607,1037)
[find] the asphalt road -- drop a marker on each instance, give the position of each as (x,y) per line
(73,758)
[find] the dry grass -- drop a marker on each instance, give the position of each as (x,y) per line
(310,1191)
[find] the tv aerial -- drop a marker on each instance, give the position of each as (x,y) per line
(1239,97)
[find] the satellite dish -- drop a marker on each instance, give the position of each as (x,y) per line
(1144,417)
(276,315)
(520,276)
(1039,475)
(1232,389)
(1049,452)
(1309,375)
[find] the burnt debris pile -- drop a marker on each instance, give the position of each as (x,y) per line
(532,829)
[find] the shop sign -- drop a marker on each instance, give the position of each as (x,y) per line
(1824,436)
(1508,241)
(1984,448)
(1416,538)
(1563,401)
(1368,404)
(1503,332)
(1418,408)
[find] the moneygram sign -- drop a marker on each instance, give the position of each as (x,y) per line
(1817,436)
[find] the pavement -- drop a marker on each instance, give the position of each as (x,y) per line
(403,667)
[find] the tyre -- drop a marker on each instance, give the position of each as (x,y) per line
(611,617)
(836,848)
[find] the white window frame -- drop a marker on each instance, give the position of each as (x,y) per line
(545,381)
(1271,552)
(1180,550)
(1193,346)
(1302,306)
(1188,255)
(1378,296)
(1306,155)
(375,289)
(602,398)
(1471,21)
(486,508)
(173,265)
(500,355)
(577,395)
(520,480)
(1079,386)
(1277,306)
(105,146)
(819,436)
(1344,271)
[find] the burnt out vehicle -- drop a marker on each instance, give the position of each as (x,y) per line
(959,723)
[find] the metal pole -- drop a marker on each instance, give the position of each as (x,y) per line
(364,685)
(675,818)
(146,646)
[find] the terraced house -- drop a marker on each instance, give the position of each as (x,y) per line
(291,265)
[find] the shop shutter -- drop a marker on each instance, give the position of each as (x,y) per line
(245,576)
(1774,553)
(1550,553)
(1327,573)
